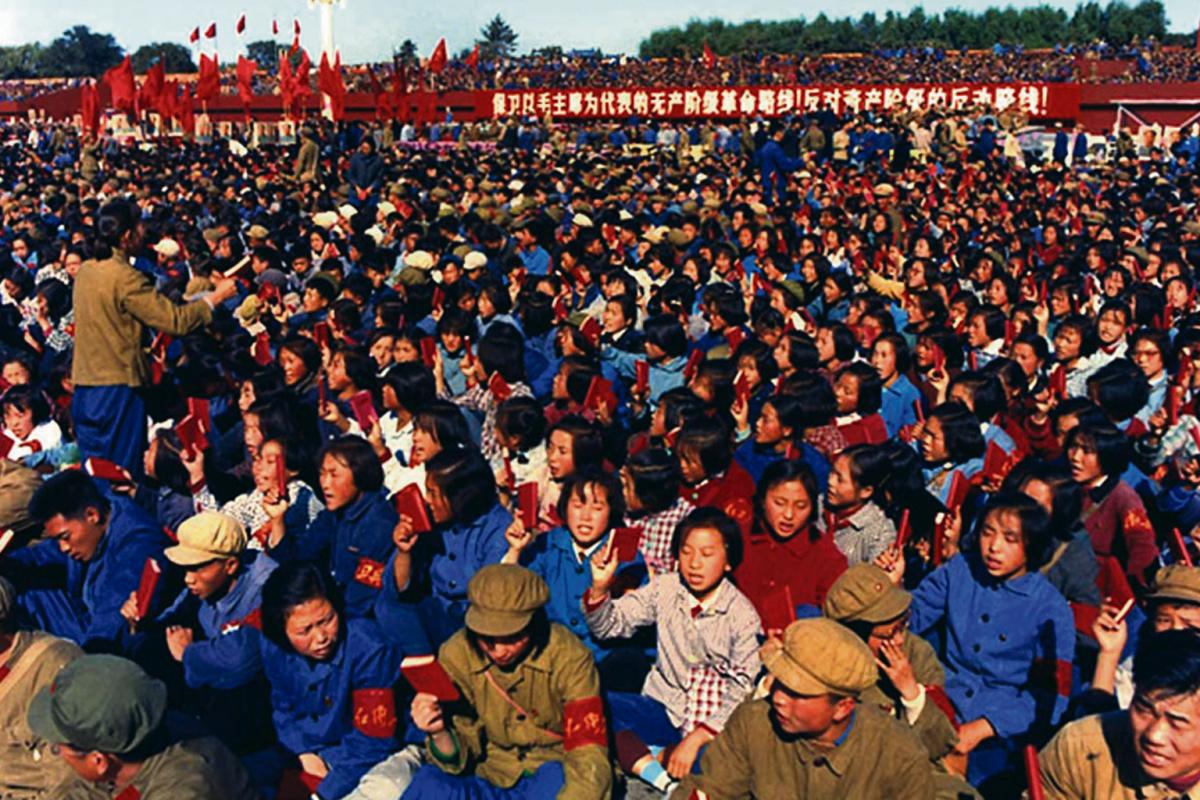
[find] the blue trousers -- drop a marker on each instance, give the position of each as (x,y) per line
(645,717)
(431,783)
(110,423)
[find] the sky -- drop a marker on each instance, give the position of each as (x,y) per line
(369,29)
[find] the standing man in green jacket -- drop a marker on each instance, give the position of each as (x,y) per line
(114,302)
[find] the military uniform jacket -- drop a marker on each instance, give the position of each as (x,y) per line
(1093,759)
(195,769)
(935,726)
(113,303)
(877,759)
(563,718)
(27,769)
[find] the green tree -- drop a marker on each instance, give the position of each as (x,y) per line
(263,52)
(20,61)
(80,51)
(175,57)
(407,52)
(497,39)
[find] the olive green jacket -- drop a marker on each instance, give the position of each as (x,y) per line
(499,743)
(933,727)
(1093,759)
(113,304)
(879,759)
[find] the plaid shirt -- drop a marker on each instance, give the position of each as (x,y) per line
(481,400)
(707,662)
(657,530)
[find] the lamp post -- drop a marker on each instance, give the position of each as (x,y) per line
(327,46)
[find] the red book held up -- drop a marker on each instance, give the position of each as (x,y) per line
(693,364)
(939,358)
(905,531)
(527,503)
(199,408)
(106,470)
(6,444)
(428,351)
(778,610)
(411,504)
(1033,773)
(364,410)
(642,372)
(499,387)
(426,675)
(735,337)
(191,435)
(321,334)
(151,572)
(995,462)
(959,486)
(261,350)
(625,543)
(600,391)
(591,330)
(281,478)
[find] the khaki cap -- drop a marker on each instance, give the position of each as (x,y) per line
(99,702)
(1177,582)
(884,190)
(503,599)
(206,537)
(864,594)
(257,232)
(820,656)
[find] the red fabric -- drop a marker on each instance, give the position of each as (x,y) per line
(583,724)
(437,59)
(710,58)
(211,31)
(369,572)
(472,60)
(245,73)
(240,27)
(300,87)
(285,84)
(150,95)
(187,111)
(208,84)
(89,107)
(1057,672)
(937,695)
(375,712)
(194,36)
(868,430)
(808,563)
(399,92)
(1119,527)
(1085,616)
(730,492)
(121,85)
(1041,439)
(129,793)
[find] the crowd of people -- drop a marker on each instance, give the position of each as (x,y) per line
(815,462)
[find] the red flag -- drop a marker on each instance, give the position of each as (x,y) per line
(208,85)
(295,26)
(89,110)
(120,83)
(300,85)
(211,31)
(187,111)
(710,58)
(194,36)
(400,92)
(245,73)
(274,27)
(437,59)
(325,76)
(383,101)
(472,60)
(153,86)
(285,83)
(240,27)
(168,101)
(338,98)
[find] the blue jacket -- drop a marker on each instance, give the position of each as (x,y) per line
(1008,645)
(343,709)
(95,590)
(552,556)
(457,551)
(897,408)
(755,459)
(356,542)
(664,375)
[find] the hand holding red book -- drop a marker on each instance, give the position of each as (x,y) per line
(411,504)
(151,572)
(427,676)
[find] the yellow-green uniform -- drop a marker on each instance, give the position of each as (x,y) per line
(1093,759)
(879,759)
(27,768)
(558,686)
(933,727)
(308,161)
(195,769)
(113,301)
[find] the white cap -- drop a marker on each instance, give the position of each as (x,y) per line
(167,247)
(419,259)
(474,260)
(347,210)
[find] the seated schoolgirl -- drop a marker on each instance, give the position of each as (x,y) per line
(856,520)
(707,635)
(710,475)
(651,482)
(950,442)
(859,392)
(28,426)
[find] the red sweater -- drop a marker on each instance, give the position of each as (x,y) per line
(732,492)
(808,562)
(1116,520)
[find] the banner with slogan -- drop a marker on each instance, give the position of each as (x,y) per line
(1039,100)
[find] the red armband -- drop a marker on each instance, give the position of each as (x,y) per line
(1052,674)
(369,573)
(937,696)
(375,712)
(583,724)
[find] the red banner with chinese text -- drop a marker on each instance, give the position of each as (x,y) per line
(1039,100)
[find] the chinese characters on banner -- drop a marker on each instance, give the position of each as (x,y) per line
(1039,100)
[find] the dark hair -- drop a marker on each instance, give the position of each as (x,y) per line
(900,348)
(574,485)
(655,478)
(360,368)
(466,480)
(802,352)
(71,494)
(27,398)
(291,584)
(304,349)
(870,386)
(524,419)
(168,465)
(413,385)
(1067,494)
(814,394)
(986,391)
(1110,445)
(870,467)
(116,218)
(1119,388)
(707,517)
(993,320)
(359,457)
(1161,341)
(1035,526)
(587,443)
(710,440)
(779,472)
(444,421)
(764,359)
(666,333)
(1167,664)
(960,429)
(502,349)
(844,344)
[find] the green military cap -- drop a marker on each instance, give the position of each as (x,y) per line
(690,207)
(486,186)
(712,204)
(1192,228)
(864,594)
(1177,582)
(678,238)
(99,702)
(1095,218)
(503,599)
(1140,253)
(884,190)
(658,198)
(439,193)
(795,289)
(257,232)
(820,656)
(556,213)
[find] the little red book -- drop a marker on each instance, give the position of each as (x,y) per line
(527,503)
(364,410)
(600,391)
(499,387)
(151,572)
(426,675)
(321,334)
(778,610)
(106,470)
(281,480)
(428,351)
(591,330)
(693,364)
(642,371)
(199,408)
(411,504)
(995,462)
(905,531)
(191,435)
(625,543)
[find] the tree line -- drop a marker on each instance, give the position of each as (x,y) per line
(1042,26)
